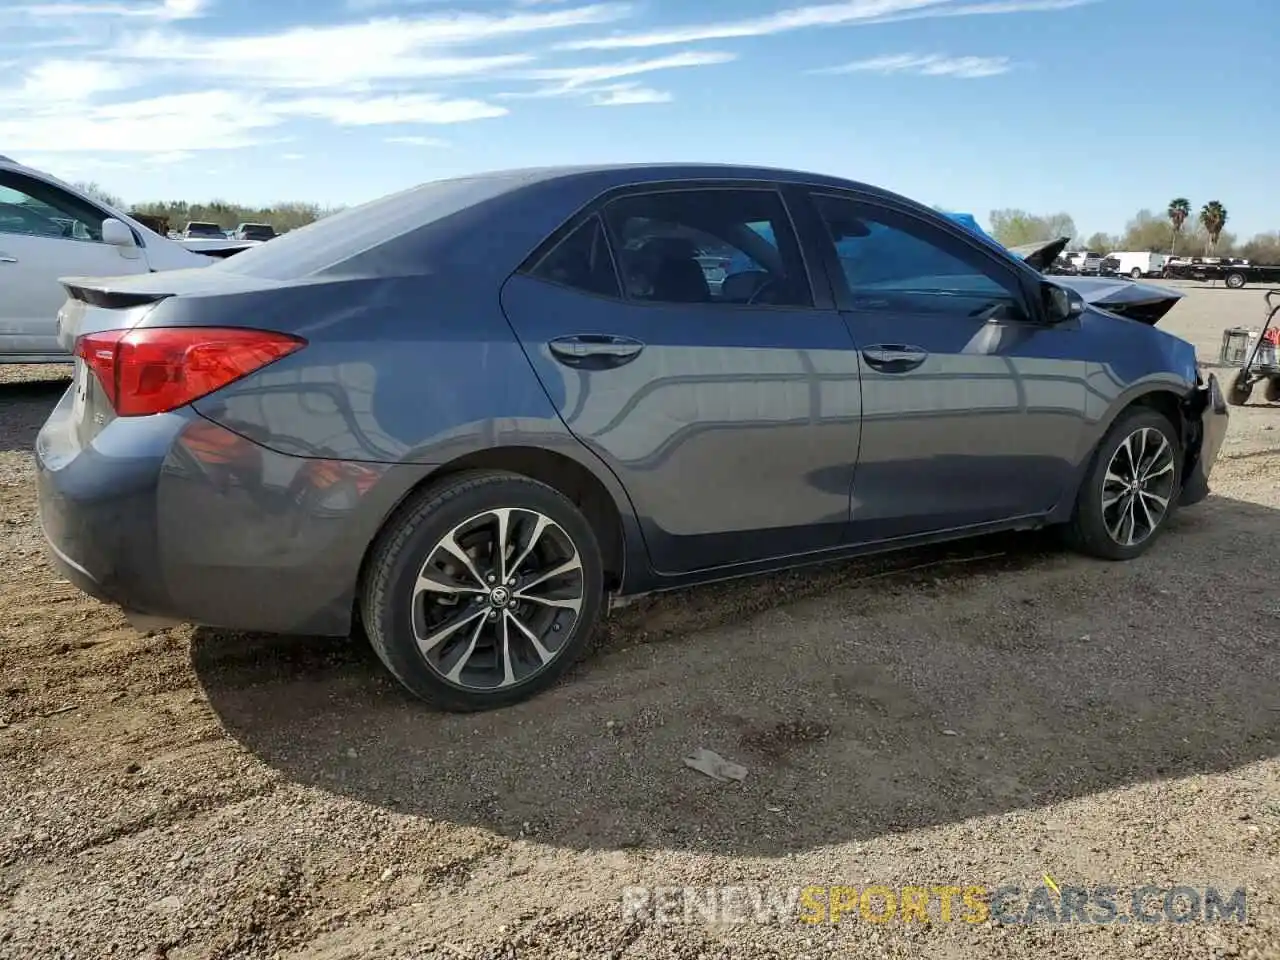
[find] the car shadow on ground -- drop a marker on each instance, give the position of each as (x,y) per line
(24,407)
(865,698)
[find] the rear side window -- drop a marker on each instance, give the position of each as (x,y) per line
(715,246)
(582,261)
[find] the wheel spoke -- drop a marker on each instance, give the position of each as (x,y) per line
(571,603)
(448,628)
(1153,472)
(1129,520)
(450,545)
(431,584)
(456,673)
(1141,502)
(1162,502)
(539,527)
(503,516)
(508,670)
(573,563)
(544,654)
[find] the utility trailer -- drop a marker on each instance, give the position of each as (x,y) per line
(1234,275)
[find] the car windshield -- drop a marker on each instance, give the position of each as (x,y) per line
(258,231)
(204,229)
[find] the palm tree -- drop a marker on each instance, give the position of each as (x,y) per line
(1179,210)
(1213,217)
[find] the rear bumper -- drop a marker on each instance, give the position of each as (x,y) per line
(1208,408)
(199,525)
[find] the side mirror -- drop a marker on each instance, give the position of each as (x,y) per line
(1061,303)
(117,233)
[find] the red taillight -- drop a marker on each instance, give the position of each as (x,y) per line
(154,370)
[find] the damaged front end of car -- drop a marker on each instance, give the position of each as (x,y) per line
(1204,426)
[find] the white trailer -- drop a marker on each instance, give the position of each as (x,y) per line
(1140,263)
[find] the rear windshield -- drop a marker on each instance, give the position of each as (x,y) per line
(328,242)
(208,229)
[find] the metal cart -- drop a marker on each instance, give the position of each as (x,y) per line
(1256,356)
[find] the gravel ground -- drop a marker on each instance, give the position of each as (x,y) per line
(981,715)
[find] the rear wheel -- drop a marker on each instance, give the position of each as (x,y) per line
(1272,391)
(1136,273)
(483,591)
(1235,280)
(1131,488)
(1240,390)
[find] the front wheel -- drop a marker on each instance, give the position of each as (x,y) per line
(1271,393)
(1235,280)
(1131,488)
(482,592)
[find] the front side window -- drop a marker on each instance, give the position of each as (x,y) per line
(894,261)
(713,246)
(34,208)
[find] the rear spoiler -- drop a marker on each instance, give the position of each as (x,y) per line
(97,294)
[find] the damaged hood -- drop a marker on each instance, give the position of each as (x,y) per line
(1042,253)
(1144,302)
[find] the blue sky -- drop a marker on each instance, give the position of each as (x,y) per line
(1096,107)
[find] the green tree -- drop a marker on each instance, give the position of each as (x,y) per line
(1146,232)
(1179,211)
(1100,243)
(1213,217)
(1013,227)
(92,189)
(1263,248)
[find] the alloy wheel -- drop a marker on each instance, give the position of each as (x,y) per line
(497,599)
(1138,485)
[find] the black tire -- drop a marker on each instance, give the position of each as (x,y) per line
(1240,390)
(1136,273)
(1088,530)
(1235,280)
(389,603)
(1272,392)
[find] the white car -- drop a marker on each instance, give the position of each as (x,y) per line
(50,230)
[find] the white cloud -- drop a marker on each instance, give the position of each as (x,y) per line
(412,141)
(409,108)
(926,65)
(816,15)
(63,81)
(626,95)
(569,80)
(374,50)
(208,120)
(165,10)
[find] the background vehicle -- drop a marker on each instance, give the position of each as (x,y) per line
(203,229)
(1109,266)
(254,231)
(1234,275)
(580,415)
(1086,262)
(49,230)
(1140,263)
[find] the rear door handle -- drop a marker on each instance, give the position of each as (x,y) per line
(6,259)
(894,357)
(595,350)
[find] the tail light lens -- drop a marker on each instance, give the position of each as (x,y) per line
(155,370)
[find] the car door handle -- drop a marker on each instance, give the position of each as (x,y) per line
(894,357)
(7,259)
(595,350)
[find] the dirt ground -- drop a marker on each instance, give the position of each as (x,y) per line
(981,715)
